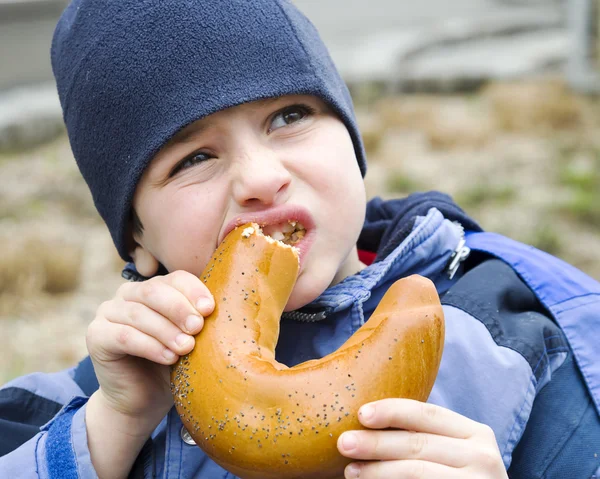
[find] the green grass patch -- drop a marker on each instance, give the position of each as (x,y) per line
(486,194)
(546,238)
(17,367)
(584,207)
(582,179)
(399,182)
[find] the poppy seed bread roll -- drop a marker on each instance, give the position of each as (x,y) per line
(260,419)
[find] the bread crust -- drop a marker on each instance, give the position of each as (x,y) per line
(258,418)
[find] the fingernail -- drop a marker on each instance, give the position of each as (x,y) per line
(182,339)
(204,305)
(349,441)
(192,323)
(366,412)
(353,470)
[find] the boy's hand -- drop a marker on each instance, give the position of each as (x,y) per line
(420,440)
(137,334)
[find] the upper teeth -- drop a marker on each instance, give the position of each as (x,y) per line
(292,231)
(290,227)
(277,235)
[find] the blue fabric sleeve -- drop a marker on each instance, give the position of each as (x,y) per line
(66,451)
(58,451)
(27,461)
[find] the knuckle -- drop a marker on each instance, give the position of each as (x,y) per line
(179,311)
(416,444)
(488,432)
(190,285)
(135,313)
(123,336)
(186,281)
(103,308)
(389,412)
(91,333)
(124,288)
(180,276)
(147,290)
(429,412)
(370,444)
(488,458)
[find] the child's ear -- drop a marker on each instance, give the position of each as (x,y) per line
(145,263)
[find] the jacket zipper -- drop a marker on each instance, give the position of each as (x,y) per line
(461,253)
(305,317)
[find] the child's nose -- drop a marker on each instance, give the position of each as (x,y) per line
(261,178)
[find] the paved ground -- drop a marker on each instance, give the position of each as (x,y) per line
(26,28)
(378,29)
(388,40)
(432,44)
(343,21)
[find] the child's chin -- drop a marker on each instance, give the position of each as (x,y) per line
(306,290)
(296,301)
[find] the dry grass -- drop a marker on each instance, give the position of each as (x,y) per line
(372,130)
(35,266)
(459,122)
(523,158)
(404,111)
(596,55)
(535,106)
(446,133)
(447,122)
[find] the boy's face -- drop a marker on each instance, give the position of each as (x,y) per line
(269,161)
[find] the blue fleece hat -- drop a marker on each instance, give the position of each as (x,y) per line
(132,73)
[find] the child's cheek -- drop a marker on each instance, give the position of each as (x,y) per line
(334,164)
(191,229)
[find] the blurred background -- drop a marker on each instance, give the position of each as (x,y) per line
(493,101)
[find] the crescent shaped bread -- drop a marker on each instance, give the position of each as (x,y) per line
(260,419)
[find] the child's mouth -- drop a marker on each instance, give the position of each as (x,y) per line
(288,233)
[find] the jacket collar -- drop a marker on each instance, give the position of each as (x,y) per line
(388,223)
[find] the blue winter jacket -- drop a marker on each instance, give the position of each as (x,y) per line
(521,353)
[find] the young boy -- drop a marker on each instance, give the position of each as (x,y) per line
(188,118)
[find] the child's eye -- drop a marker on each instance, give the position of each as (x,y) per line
(290,114)
(191,160)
